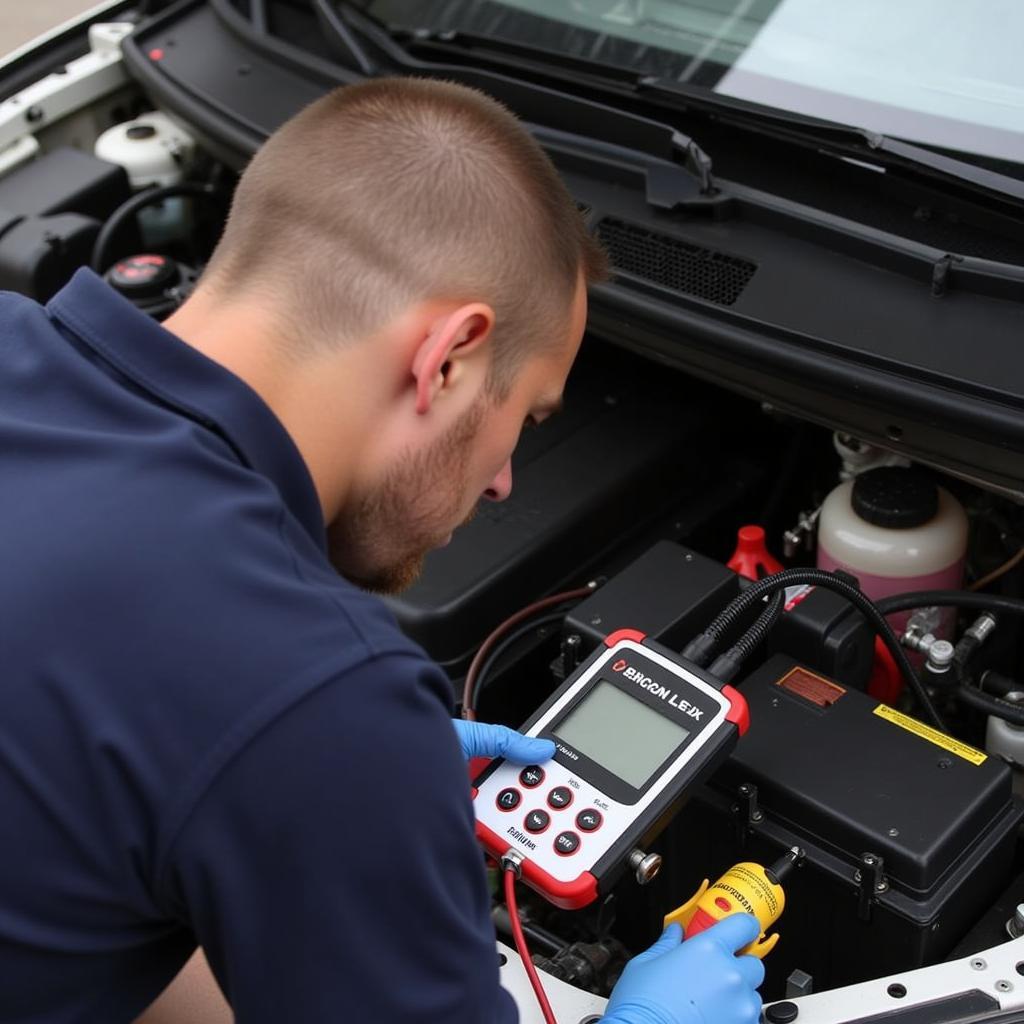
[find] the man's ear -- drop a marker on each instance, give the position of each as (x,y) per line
(453,336)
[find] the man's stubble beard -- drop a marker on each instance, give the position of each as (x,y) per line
(381,543)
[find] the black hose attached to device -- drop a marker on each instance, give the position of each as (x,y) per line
(132,206)
(702,646)
(725,666)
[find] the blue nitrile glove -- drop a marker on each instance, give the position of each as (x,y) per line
(699,981)
(479,739)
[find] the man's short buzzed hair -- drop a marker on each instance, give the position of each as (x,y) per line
(398,190)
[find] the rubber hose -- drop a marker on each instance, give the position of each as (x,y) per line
(1012,713)
(949,598)
(996,683)
(132,206)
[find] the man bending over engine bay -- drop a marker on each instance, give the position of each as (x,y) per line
(210,737)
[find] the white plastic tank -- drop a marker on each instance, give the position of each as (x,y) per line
(896,531)
(154,151)
(1006,741)
(152,148)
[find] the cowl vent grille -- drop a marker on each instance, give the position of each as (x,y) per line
(672,263)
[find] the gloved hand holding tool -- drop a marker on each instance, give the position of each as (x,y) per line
(700,981)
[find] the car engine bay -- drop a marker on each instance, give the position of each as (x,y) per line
(654,501)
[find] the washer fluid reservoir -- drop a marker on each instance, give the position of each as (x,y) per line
(896,531)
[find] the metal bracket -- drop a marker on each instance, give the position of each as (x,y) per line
(871,882)
(746,810)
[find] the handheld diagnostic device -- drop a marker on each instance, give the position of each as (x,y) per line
(634,727)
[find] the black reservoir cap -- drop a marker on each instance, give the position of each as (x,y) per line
(144,276)
(894,497)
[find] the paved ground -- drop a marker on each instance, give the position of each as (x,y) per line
(23,20)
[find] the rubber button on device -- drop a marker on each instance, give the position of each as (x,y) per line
(567,843)
(589,820)
(559,797)
(508,799)
(531,776)
(537,821)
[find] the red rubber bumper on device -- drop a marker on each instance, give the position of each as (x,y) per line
(739,713)
(624,634)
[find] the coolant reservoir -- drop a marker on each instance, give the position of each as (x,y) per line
(152,148)
(896,531)
(154,151)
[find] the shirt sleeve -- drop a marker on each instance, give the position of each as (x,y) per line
(331,871)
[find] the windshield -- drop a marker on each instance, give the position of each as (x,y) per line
(945,73)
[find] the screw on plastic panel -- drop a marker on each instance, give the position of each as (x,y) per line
(978,964)
(1003,986)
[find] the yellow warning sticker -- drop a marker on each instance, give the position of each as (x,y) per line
(926,732)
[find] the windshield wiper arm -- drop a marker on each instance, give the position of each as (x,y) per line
(555,115)
(891,151)
(346,41)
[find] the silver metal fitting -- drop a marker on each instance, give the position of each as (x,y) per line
(917,640)
(644,865)
(920,632)
(512,860)
(801,536)
(940,656)
(982,627)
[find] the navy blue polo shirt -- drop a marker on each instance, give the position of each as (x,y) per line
(206,735)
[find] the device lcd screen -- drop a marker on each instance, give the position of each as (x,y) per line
(621,733)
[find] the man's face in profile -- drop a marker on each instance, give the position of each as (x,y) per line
(380,540)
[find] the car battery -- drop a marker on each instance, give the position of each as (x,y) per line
(909,834)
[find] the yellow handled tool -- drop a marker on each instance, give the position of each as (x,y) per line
(745,888)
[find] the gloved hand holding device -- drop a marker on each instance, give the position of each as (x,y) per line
(479,739)
(700,981)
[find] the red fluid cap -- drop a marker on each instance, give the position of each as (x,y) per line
(751,557)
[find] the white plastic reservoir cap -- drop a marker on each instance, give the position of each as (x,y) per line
(152,148)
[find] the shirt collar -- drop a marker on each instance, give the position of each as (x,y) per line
(182,377)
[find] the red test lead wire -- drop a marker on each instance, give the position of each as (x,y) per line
(522,948)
